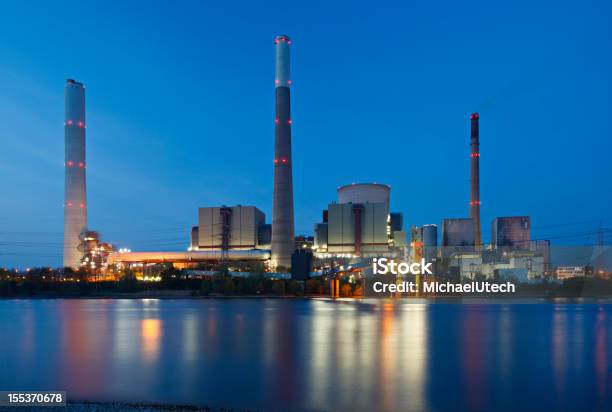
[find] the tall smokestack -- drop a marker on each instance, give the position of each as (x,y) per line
(75,196)
(282,209)
(475,179)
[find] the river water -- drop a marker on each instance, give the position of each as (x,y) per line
(308,354)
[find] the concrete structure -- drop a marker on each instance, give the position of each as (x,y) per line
(457,236)
(320,236)
(194,238)
(430,241)
(358,228)
(75,194)
(541,247)
(229,228)
(360,224)
(475,178)
(511,233)
(458,232)
(282,208)
(364,193)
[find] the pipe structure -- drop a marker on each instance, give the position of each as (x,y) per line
(475,179)
(283,244)
(75,194)
(189,256)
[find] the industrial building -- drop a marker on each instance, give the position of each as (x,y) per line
(75,194)
(520,266)
(360,223)
(511,232)
(229,228)
(282,205)
(423,242)
(457,236)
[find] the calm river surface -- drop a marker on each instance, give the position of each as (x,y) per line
(292,354)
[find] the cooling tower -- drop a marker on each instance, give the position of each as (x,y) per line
(475,179)
(282,208)
(75,195)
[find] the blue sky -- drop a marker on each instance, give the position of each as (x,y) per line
(180,107)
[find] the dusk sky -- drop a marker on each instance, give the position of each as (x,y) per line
(180,113)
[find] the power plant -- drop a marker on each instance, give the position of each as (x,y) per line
(75,193)
(357,226)
(282,207)
(475,179)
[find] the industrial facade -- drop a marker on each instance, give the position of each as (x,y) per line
(511,232)
(424,242)
(282,205)
(359,223)
(358,228)
(457,235)
(229,228)
(75,193)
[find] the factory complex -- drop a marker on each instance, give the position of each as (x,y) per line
(356,227)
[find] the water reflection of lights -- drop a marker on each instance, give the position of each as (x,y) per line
(388,352)
(149,305)
(559,347)
(601,354)
(150,333)
(413,353)
(270,343)
(505,340)
(475,349)
(321,332)
(190,338)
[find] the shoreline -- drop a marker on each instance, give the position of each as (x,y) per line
(468,299)
(88,406)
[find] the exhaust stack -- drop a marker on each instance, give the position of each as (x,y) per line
(475,179)
(283,244)
(75,195)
